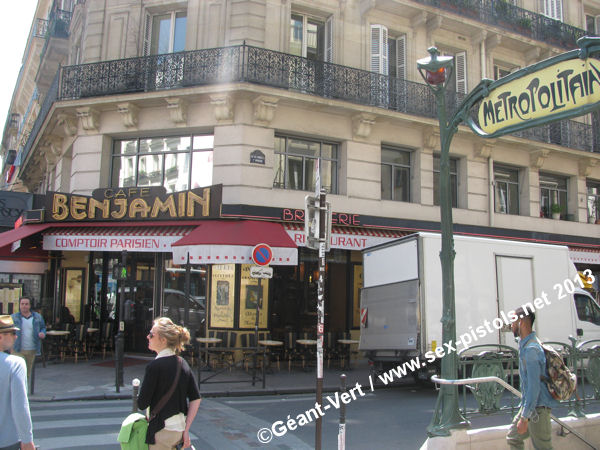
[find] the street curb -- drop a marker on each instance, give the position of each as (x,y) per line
(206,394)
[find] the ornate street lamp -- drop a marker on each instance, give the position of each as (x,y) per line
(437,71)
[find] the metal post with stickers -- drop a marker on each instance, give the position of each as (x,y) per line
(317,227)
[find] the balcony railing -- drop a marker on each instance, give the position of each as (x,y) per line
(259,66)
(505,15)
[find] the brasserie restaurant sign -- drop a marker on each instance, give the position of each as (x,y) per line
(134,204)
(547,92)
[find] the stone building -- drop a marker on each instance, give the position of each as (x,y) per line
(246,97)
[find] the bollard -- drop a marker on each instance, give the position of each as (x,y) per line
(136,389)
(342,428)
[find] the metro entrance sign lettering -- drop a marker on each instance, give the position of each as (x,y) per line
(557,88)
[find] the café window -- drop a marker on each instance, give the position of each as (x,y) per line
(453,180)
(593,201)
(506,190)
(395,174)
(295,160)
(553,195)
(176,162)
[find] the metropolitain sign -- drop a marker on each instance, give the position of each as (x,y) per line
(548,93)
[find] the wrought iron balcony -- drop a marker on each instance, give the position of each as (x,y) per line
(503,14)
(259,66)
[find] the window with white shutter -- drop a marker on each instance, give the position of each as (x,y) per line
(147,34)
(329,40)
(460,68)
(552,9)
(379,49)
(397,57)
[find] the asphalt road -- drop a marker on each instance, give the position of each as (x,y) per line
(386,418)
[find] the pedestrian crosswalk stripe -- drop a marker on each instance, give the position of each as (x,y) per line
(81,425)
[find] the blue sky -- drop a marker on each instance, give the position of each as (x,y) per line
(15,23)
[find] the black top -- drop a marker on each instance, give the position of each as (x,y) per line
(158,379)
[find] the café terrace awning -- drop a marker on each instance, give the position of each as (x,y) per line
(115,237)
(227,242)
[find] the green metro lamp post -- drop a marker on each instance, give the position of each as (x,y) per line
(437,71)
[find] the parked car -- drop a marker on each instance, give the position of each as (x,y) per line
(174,306)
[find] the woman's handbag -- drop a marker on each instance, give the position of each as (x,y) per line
(132,435)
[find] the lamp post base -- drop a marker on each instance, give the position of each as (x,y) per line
(447,415)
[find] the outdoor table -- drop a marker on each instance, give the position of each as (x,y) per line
(92,330)
(206,341)
(306,341)
(270,343)
(57,333)
(56,336)
(347,342)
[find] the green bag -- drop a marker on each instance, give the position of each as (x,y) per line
(132,435)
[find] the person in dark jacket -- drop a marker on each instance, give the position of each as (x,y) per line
(172,424)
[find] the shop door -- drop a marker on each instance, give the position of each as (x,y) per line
(138,311)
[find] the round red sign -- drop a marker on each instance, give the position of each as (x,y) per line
(262,254)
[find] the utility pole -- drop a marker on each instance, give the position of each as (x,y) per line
(120,338)
(318,231)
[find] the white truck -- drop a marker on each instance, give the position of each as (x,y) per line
(401,298)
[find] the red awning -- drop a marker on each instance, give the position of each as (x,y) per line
(347,238)
(8,237)
(222,242)
(116,237)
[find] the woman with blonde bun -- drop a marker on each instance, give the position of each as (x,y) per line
(170,416)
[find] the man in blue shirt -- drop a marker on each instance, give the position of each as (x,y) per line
(15,424)
(32,330)
(533,418)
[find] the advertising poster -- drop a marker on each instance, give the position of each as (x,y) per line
(222,295)
(248,298)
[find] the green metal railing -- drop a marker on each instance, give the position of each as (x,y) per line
(502,361)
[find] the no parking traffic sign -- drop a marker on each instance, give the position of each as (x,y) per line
(262,254)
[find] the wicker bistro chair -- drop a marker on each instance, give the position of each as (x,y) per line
(107,341)
(78,341)
(224,356)
(248,340)
(290,348)
(331,347)
(345,352)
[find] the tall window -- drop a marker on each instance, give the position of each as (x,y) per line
(176,162)
(388,54)
(295,160)
(395,174)
(553,195)
(506,198)
(311,37)
(165,33)
(553,9)
(593,200)
(453,180)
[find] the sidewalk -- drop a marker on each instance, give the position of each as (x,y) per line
(95,380)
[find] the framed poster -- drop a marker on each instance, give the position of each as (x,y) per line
(9,297)
(222,304)
(249,296)
(73,291)
(357,284)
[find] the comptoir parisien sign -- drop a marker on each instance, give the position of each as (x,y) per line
(556,89)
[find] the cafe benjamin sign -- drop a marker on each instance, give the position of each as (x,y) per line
(551,91)
(134,203)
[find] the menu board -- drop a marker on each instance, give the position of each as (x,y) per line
(9,297)
(249,296)
(222,298)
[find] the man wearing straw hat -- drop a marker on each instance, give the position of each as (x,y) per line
(15,427)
